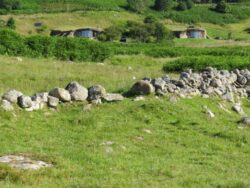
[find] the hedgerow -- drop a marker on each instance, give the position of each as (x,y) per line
(200,62)
(75,49)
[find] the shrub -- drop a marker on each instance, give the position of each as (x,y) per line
(200,62)
(10,4)
(11,23)
(222,7)
(161,5)
(11,43)
(138,5)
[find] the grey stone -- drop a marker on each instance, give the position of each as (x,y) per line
(23,163)
(53,101)
(112,97)
(77,91)
(7,106)
(60,93)
(142,88)
(12,95)
(40,97)
(96,92)
(24,101)
(241,80)
(245,120)
(159,83)
(237,108)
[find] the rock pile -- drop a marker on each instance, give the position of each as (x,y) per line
(209,82)
(73,92)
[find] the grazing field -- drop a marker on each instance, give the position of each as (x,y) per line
(151,143)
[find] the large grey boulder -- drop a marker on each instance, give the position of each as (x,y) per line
(96,92)
(24,101)
(112,97)
(12,95)
(77,92)
(7,106)
(142,88)
(53,101)
(60,93)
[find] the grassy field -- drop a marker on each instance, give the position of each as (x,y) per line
(155,143)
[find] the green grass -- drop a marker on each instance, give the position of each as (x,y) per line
(184,149)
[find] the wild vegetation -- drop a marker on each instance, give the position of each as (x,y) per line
(156,142)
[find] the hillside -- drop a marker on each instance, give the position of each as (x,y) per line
(122,98)
(127,144)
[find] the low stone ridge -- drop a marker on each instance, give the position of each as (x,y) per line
(229,85)
(209,82)
(23,163)
(73,92)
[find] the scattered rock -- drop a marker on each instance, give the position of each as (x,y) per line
(23,163)
(112,97)
(96,92)
(237,108)
(7,106)
(12,95)
(139,98)
(19,59)
(60,93)
(209,113)
(142,88)
(147,131)
(53,101)
(77,92)
(245,121)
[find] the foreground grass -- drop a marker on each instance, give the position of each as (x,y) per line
(184,148)
(181,151)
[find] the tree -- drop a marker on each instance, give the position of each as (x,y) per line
(11,23)
(10,4)
(162,33)
(161,5)
(150,19)
(222,7)
(182,6)
(185,4)
(189,4)
(137,5)
(111,33)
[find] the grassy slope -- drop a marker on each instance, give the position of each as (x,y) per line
(103,19)
(184,149)
(67,21)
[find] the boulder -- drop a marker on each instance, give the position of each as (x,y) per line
(142,88)
(77,92)
(112,97)
(7,106)
(53,101)
(96,92)
(24,101)
(12,95)
(60,93)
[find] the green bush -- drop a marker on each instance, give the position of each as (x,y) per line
(75,49)
(200,62)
